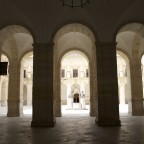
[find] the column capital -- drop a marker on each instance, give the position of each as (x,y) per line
(43,44)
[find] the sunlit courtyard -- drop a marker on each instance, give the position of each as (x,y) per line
(27,110)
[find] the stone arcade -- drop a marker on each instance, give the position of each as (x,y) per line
(38,39)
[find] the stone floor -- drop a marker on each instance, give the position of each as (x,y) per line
(71,129)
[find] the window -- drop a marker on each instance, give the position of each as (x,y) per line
(24,73)
(87,73)
(75,72)
(62,73)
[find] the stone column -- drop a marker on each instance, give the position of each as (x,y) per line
(107,85)
(137,88)
(0,89)
(93,84)
(82,101)
(122,93)
(3,94)
(70,102)
(29,93)
(15,104)
(122,87)
(0,75)
(57,86)
(6,90)
(21,83)
(43,115)
(128,90)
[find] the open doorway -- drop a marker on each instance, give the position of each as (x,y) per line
(75,85)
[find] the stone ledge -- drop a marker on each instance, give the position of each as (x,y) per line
(108,123)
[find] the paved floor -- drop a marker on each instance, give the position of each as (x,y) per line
(71,129)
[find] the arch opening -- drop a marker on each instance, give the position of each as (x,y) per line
(124,83)
(74,37)
(26,80)
(15,40)
(75,85)
(130,40)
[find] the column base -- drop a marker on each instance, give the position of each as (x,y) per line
(92,115)
(130,113)
(137,113)
(43,124)
(57,110)
(13,114)
(137,107)
(15,108)
(3,104)
(58,115)
(108,123)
